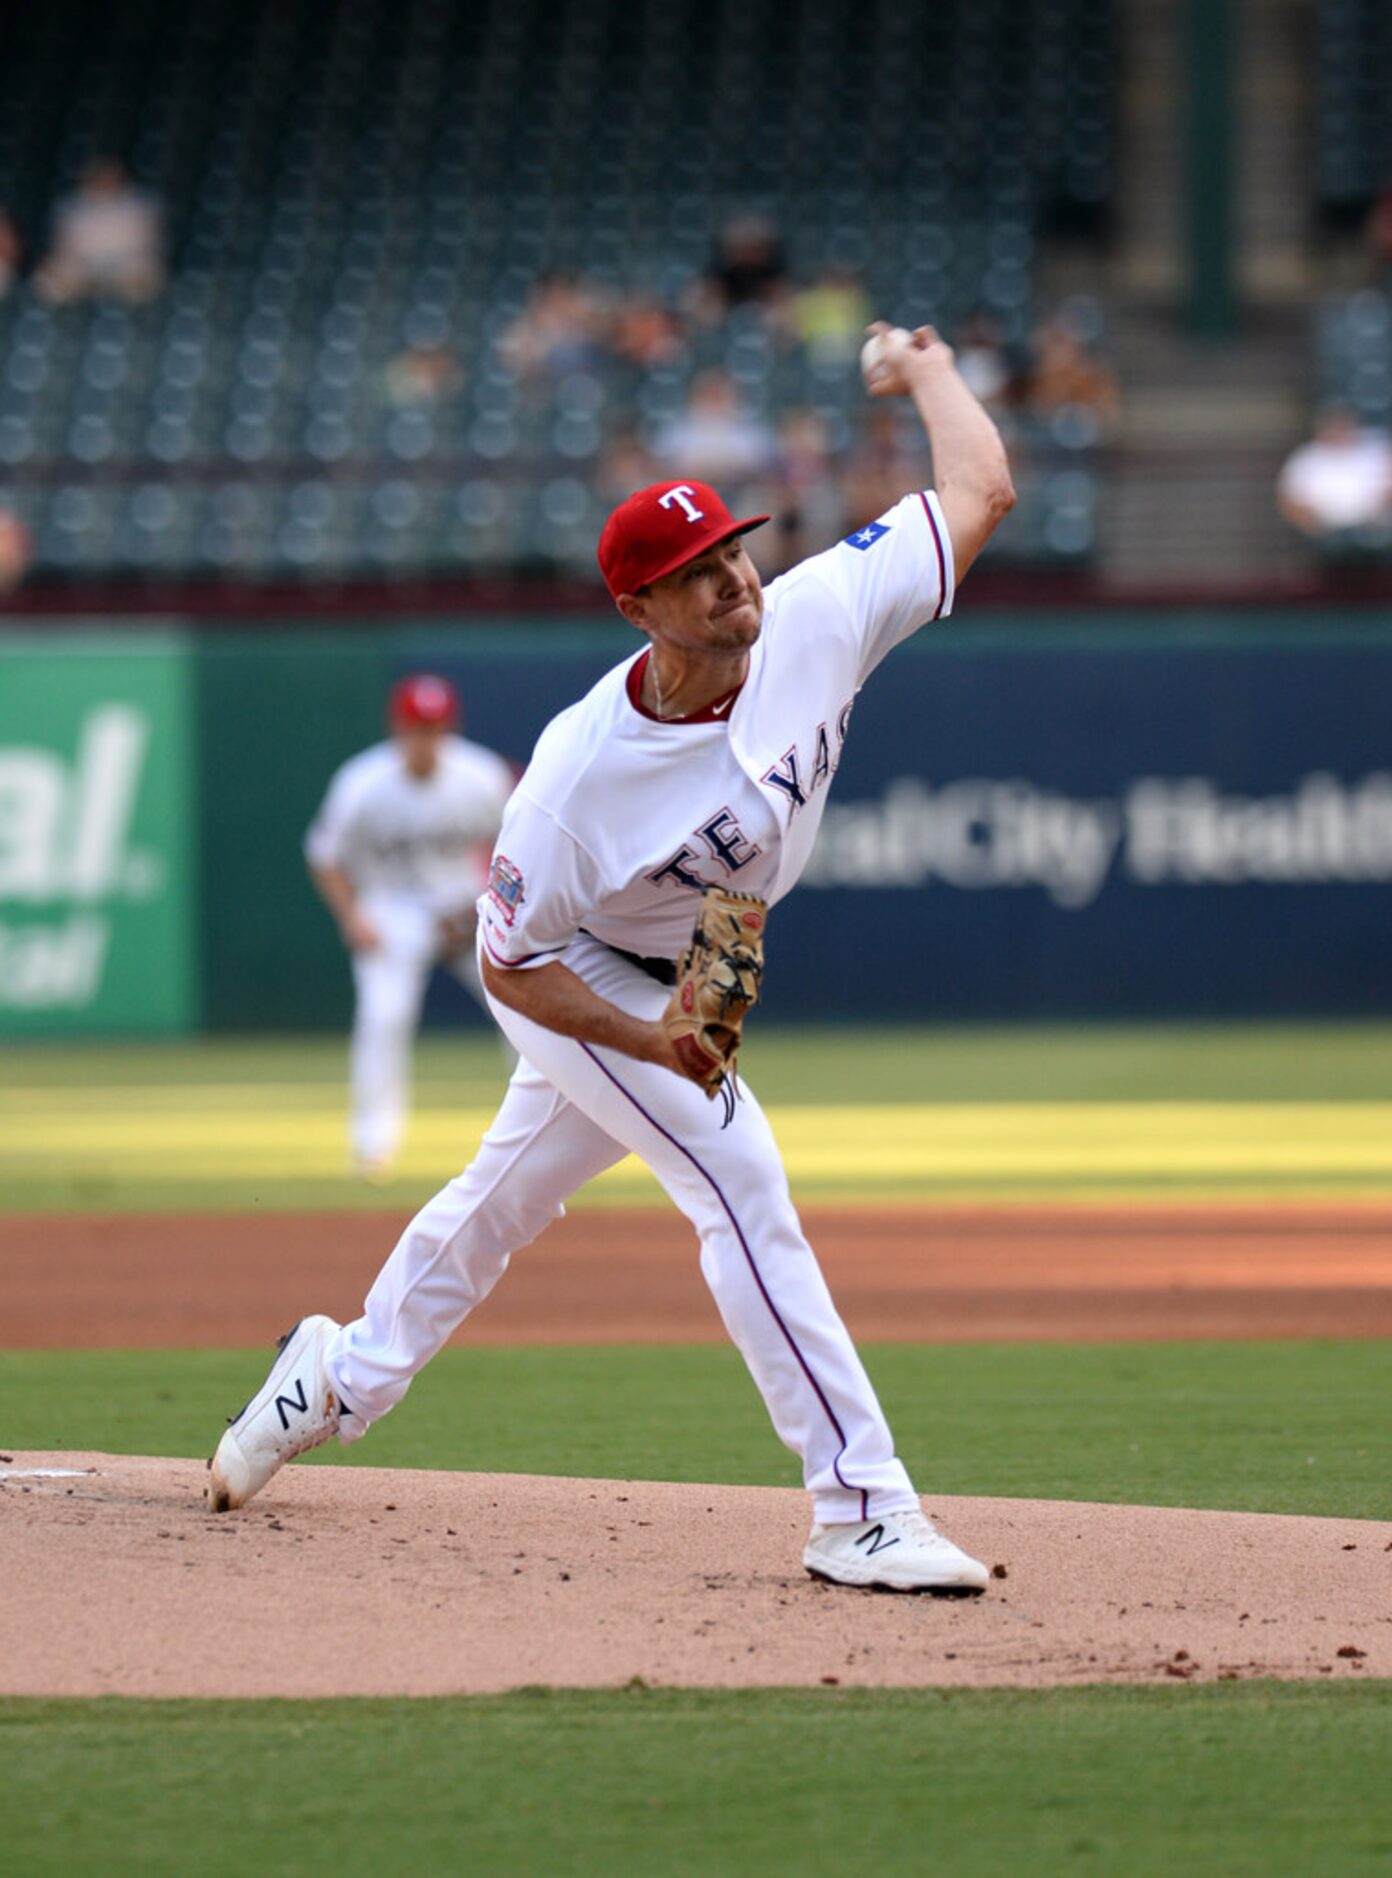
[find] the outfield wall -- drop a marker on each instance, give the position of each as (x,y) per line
(1156,816)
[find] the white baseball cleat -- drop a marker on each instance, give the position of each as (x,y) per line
(898,1552)
(294,1410)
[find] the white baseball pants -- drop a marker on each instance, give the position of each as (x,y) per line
(390,983)
(570,1111)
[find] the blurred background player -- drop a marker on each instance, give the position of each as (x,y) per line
(399,852)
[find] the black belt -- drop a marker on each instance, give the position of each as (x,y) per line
(663,970)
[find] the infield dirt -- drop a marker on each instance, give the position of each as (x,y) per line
(363,1581)
(630,1276)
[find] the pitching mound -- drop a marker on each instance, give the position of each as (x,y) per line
(364,1581)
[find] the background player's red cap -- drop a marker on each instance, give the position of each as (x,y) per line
(659,528)
(423,699)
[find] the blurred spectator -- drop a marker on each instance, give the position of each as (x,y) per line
(107,242)
(1340,482)
(806,494)
(749,267)
(1378,232)
(881,466)
(16,551)
(11,252)
(625,465)
(560,330)
(983,358)
(422,376)
(646,333)
(1068,387)
(831,315)
(805,457)
(717,438)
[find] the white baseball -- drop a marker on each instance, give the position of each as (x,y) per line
(872,353)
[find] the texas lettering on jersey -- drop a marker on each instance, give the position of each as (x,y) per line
(788,775)
(790,779)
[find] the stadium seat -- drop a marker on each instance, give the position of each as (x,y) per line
(347,179)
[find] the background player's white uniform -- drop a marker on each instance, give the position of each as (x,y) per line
(416,850)
(617,823)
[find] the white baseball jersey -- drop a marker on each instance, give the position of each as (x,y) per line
(621,817)
(422,838)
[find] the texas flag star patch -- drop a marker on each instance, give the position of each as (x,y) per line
(866,537)
(505,887)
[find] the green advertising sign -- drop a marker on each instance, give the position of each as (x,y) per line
(96,856)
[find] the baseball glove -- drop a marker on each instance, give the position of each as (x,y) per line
(717,984)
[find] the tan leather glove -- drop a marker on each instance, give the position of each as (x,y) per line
(718,979)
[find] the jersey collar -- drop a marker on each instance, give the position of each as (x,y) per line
(716,712)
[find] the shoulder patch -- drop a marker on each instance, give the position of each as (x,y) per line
(866,537)
(505,888)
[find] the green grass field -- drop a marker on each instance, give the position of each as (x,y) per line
(1256,1778)
(1116,1113)
(1260,1427)
(1044,1062)
(1248,1780)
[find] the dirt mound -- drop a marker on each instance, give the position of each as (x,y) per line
(365,1581)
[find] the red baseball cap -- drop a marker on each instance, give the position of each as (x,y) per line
(660,528)
(423,698)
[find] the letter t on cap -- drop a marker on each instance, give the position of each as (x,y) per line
(683,493)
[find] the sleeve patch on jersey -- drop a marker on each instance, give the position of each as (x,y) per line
(505,888)
(866,537)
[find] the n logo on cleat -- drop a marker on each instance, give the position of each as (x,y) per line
(284,1401)
(876,1541)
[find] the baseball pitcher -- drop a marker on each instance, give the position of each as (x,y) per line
(629,919)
